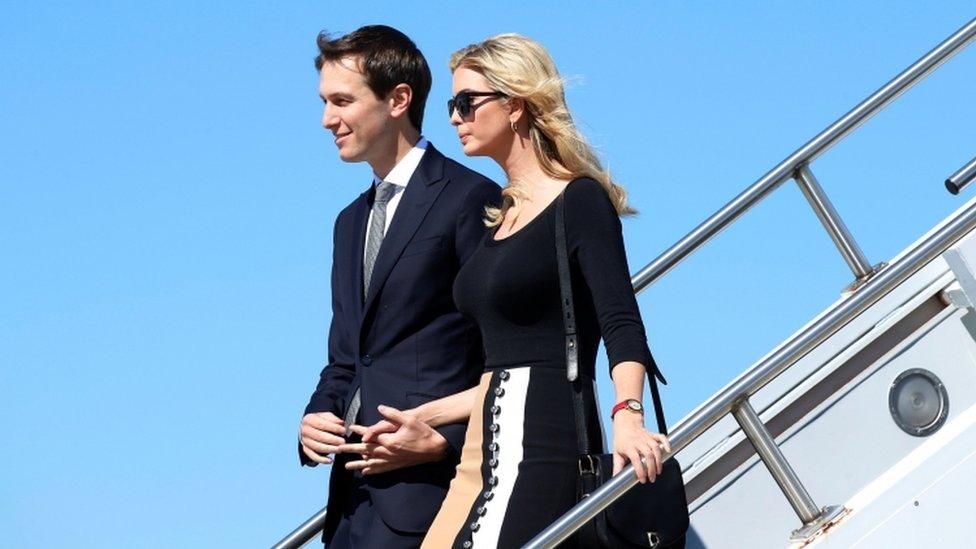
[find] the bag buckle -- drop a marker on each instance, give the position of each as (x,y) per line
(587,465)
(653,540)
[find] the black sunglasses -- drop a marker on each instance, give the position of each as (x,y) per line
(462,102)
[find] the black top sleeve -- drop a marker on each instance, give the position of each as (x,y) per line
(595,240)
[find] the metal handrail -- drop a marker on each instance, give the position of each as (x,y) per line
(305,532)
(788,353)
(962,178)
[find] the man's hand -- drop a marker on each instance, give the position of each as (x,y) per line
(399,441)
(321,435)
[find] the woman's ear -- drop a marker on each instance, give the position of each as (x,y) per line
(516,110)
(400,97)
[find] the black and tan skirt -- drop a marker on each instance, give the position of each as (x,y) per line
(518,467)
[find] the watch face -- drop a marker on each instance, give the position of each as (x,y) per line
(635,405)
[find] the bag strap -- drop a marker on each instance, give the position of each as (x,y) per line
(569,329)
(566,292)
(572,347)
(662,424)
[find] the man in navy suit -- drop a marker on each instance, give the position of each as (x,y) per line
(396,338)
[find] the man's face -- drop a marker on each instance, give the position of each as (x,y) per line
(359,121)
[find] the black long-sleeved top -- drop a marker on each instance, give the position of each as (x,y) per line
(510,287)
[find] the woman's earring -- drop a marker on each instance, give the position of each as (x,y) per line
(514,127)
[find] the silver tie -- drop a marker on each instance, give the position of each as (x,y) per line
(377,228)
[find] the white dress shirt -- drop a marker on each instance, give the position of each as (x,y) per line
(400,175)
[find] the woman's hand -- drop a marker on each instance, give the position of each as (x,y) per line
(399,440)
(632,443)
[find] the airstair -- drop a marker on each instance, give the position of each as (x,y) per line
(870,407)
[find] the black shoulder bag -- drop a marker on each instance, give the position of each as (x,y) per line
(648,515)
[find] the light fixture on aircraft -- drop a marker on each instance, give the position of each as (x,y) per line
(918,402)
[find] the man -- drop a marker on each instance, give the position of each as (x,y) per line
(396,338)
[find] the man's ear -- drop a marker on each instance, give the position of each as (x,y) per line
(400,97)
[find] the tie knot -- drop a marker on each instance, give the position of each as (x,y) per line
(384,192)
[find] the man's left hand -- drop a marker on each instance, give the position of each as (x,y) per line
(400,440)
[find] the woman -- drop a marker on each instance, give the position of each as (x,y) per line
(518,469)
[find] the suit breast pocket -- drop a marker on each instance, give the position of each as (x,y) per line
(424,245)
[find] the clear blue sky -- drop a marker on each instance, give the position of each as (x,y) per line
(167,197)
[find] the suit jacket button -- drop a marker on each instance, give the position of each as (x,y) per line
(366,360)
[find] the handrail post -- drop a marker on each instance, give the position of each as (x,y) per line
(813,518)
(775,461)
(831,221)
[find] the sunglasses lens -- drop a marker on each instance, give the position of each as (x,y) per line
(463,102)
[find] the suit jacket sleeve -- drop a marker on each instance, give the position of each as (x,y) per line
(332,391)
(469,232)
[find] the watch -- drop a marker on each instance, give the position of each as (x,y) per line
(630,404)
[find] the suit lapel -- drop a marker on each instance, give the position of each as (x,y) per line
(423,188)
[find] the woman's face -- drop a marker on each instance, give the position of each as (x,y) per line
(486,130)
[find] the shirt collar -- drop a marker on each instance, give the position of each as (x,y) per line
(401,173)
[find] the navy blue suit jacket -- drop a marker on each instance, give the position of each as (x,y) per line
(406,344)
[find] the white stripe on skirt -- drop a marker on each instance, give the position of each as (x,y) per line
(511,421)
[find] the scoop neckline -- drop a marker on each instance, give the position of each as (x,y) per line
(495,241)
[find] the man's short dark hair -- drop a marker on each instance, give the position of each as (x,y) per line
(386,58)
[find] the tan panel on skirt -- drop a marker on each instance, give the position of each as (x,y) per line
(467,483)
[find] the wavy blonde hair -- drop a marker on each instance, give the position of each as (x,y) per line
(522,68)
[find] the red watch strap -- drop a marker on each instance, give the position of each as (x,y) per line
(617,407)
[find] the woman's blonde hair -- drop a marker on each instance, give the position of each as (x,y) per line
(521,68)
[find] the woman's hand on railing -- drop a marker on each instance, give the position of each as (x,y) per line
(633,443)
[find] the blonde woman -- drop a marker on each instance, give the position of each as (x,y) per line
(518,470)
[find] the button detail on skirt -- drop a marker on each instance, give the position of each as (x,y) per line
(492,463)
(493,447)
(493,481)
(494,428)
(504,375)
(481,511)
(488,494)
(496,409)
(466,544)
(474,526)
(499,391)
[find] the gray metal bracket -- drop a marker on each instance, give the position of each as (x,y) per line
(828,515)
(961,259)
